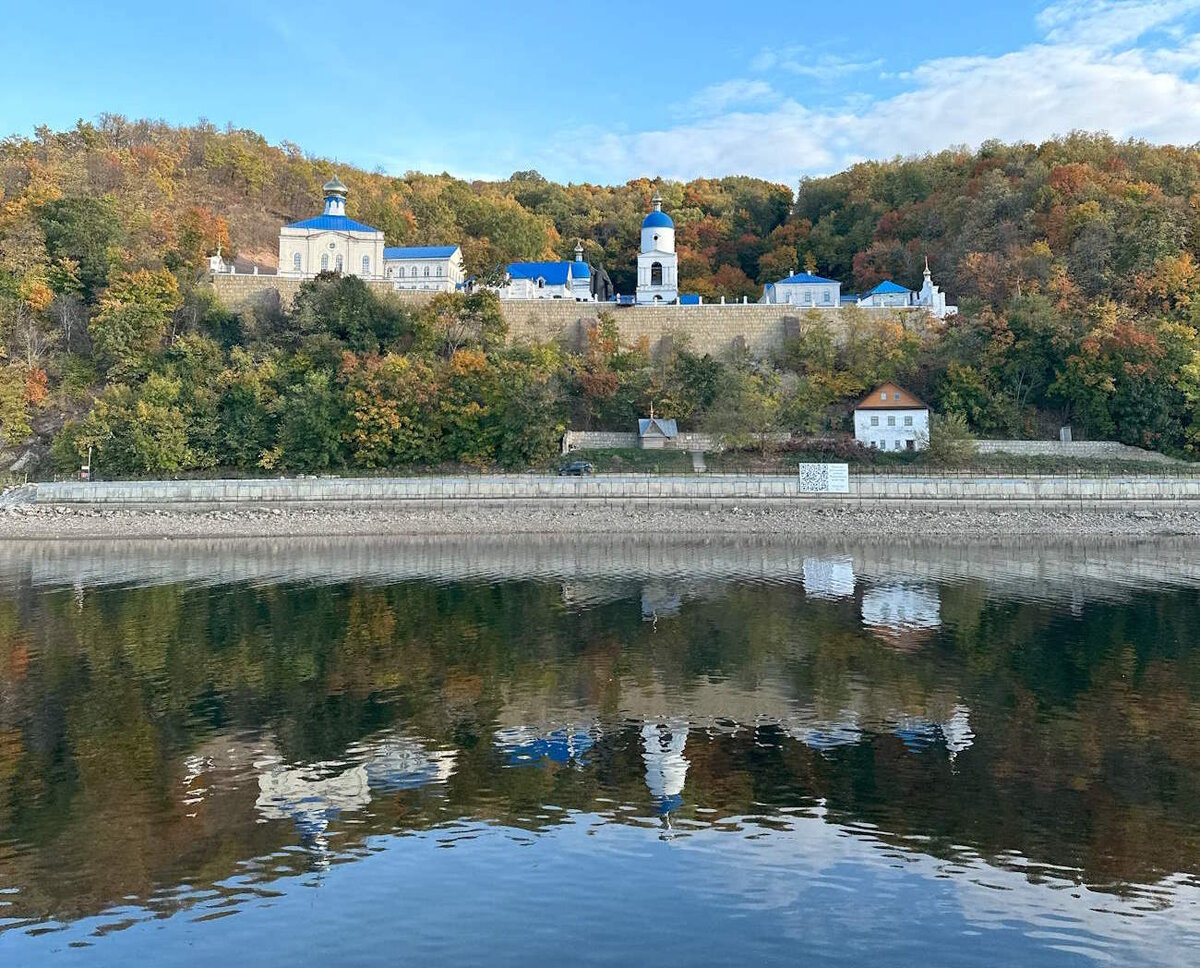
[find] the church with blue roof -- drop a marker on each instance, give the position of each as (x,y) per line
(549,280)
(808,291)
(334,242)
(658,265)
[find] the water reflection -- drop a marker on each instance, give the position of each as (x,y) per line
(1013,746)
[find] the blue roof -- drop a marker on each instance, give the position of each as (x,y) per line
(667,428)
(332,223)
(658,220)
(887,288)
(419,251)
(805,278)
(581,270)
(555,273)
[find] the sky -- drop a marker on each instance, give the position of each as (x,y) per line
(616,90)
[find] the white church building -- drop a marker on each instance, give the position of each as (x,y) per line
(889,295)
(549,280)
(809,291)
(428,268)
(805,290)
(658,265)
(333,242)
(330,242)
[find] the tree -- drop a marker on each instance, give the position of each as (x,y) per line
(345,309)
(311,419)
(136,431)
(133,318)
(86,231)
(749,411)
(455,321)
(950,440)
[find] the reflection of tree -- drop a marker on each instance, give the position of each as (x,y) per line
(115,714)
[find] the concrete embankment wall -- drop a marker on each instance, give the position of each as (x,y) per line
(710,328)
(628,490)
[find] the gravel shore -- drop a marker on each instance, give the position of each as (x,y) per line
(78,522)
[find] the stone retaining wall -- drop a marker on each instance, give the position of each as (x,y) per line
(623,489)
(1087,449)
(711,328)
(612,440)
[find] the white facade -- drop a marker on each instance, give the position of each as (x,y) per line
(658,265)
(331,242)
(899,429)
(428,268)
(932,298)
(805,291)
(888,295)
(549,280)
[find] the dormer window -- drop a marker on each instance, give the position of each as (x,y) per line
(541,283)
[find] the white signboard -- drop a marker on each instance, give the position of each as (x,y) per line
(825,478)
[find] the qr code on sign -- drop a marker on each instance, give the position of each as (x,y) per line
(814,477)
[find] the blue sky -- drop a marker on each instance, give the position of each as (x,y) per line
(613,91)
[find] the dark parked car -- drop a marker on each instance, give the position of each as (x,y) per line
(577,468)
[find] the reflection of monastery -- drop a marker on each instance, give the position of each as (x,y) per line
(334,242)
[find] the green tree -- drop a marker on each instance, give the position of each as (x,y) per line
(88,232)
(134,315)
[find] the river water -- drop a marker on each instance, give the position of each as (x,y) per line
(603,752)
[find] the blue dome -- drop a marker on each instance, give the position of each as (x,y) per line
(658,220)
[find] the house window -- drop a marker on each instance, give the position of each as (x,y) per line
(883,396)
(339,262)
(807,297)
(439,271)
(656,274)
(413,273)
(826,297)
(427,272)
(908,421)
(891,421)
(874,421)
(896,395)
(366,266)
(324,261)
(296,261)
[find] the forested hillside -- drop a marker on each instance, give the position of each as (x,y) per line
(1074,264)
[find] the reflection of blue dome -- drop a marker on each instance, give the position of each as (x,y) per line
(658,220)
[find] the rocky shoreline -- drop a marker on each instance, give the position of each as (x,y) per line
(868,520)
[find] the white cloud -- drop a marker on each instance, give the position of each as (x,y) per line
(1109,23)
(1084,74)
(720,97)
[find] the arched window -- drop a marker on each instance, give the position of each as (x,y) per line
(296,261)
(439,271)
(413,273)
(656,274)
(366,267)
(427,272)
(324,261)
(339,262)
(541,283)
